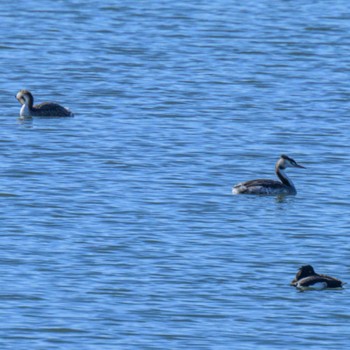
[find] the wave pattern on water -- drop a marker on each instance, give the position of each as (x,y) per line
(119,229)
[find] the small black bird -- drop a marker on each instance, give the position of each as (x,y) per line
(307,278)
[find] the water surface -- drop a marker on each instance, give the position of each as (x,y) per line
(118,226)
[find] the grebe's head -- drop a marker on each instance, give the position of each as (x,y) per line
(24,96)
(285,162)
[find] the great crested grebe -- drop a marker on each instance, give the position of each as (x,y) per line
(307,278)
(271,187)
(45,109)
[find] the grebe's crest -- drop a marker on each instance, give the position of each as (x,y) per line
(288,162)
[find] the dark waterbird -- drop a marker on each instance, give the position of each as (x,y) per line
(307,278)
(45,109)
(271,187)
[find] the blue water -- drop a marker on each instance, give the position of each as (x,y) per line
(118,226)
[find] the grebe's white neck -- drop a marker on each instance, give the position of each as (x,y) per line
(25,110)
(284,178)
